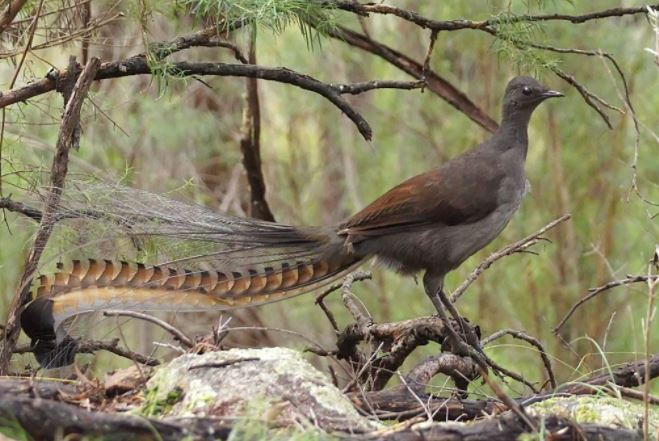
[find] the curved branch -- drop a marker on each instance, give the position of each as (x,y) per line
(595,291)
(435,83)
(174,331)
(139,65)
(456,25)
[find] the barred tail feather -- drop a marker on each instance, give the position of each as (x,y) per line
(95,285)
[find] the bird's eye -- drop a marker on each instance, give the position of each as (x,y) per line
(527,90)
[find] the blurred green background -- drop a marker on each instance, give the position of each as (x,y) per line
(163,134)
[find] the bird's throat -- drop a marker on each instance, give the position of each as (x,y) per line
(513,132)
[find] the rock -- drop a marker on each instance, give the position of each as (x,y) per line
(275,385)
(601,410)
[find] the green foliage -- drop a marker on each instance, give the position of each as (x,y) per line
(274,15)
(514,43)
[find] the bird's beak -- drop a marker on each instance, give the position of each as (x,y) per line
(551,94)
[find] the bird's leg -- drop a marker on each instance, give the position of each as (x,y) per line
(466,344)
(467,331)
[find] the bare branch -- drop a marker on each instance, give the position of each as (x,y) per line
(357,276)
(93,346)
(250,144)
(10,12)
(595,291)
(357,88)
(435,83)
(59,170)
(174,331)
(514,247)
(19,207)
(139,65)
(533,342)
(456,25)
(629,375)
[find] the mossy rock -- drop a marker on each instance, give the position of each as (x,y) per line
(275,385)
(600,410)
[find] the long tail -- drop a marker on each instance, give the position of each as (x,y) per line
(262,276)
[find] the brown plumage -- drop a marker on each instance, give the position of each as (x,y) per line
(431,222)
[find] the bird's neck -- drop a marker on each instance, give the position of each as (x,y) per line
(512,133)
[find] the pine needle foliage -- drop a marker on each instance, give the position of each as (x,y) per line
(274,15)
(514,43)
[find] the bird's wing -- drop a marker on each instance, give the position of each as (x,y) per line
(462,191)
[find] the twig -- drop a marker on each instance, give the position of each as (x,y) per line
(363,321)
(175,332)
(631,374)
(456,25)
(365,86)
(514,247)
(59,170)
(357,276)
(587,95)
(431,47)
(433,82)
(649,316)
(515,407)
(33,27)
(223,364)
(92,346)
(595,291)
(533,342)
(19,207)
(635,394)
(10,12)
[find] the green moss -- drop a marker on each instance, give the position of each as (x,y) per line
(155,405)
(607,411)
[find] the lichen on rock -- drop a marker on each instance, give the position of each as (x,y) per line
(593,409)
(275,385)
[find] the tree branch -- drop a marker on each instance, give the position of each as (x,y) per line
(250,143)
(435,83)
(93,346)
(138,65)
(514,247)
(59,170)
(10,12)
(174,331)
(595,291)
(460,24)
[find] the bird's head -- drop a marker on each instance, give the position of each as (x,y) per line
(523,94)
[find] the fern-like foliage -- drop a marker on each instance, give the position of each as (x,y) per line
(514,43)
(274,15)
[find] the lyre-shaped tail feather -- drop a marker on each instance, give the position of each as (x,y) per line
(93,285)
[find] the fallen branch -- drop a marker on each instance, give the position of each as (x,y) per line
(397,402)
(93,346)
(629,375)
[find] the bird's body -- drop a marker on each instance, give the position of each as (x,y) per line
(432,222)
